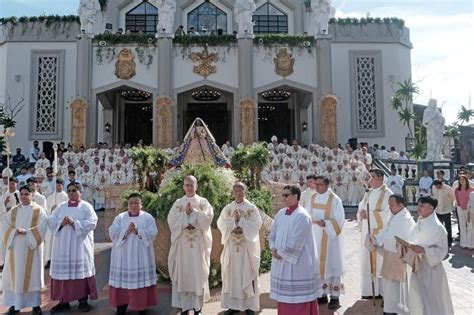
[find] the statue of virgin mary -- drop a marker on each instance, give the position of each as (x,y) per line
(199,147)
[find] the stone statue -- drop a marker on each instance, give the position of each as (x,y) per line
(322,12)
(166,12)
(434,122)
(243,11)
(88,10)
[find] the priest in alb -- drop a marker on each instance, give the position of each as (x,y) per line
(294,276)
(429,290)
(239,223)
(327,215)
(72,270)
(306,194)
(132,278)
(377,201)
(189,258)
(394,271)
(24,228)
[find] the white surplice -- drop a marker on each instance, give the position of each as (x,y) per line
(429,290)
(189,258)
(73,247)
(395,292)
(23,275)
(305,199)
(132,264)
(329,240)
(240,259)
(294,277)
(52,200)
(379,215)
(13,200)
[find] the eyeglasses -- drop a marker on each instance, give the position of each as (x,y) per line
(71,190)
(285,195)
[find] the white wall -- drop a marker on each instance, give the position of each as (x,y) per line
(395,62)
(3,73)
(19,63)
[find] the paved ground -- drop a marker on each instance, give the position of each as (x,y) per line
(459,266)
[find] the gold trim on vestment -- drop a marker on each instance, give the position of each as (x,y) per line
(29,257)
(14,212)
(36,235)
(378,219)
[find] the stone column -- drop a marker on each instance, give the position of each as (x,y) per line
(164,108)
(245,108)
(329,120)
(324,75)
(84,86)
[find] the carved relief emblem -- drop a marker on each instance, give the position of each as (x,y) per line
(205,60)
(248,108)
(125,65)
(284,62)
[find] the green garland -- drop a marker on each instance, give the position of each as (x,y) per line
(48,19)
(284,39)
(114,39)
(368,20)
(211,40)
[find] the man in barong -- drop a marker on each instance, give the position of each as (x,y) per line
(393,272)
(72,270)
(132,278)
(429,290)
(377,200)
(327,215)
(23,227)
(295,282)
(52,202)
(190,253)
(240,224)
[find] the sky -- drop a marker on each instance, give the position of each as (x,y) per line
(442,34)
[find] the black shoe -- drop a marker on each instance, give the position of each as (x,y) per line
(230,311)
(142,312)
(84,306)
(323,299)
(334,303)
(250,312)
(198,312)
(37,310)
(366,297)
(60,307)
(12,311)
(48,264)
(121,309)
(378,297)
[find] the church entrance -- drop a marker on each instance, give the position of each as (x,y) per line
(274,119)
(214,115)
(138,123)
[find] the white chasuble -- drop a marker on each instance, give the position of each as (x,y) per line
(429,290)
(329,239)
(23,275)
(73,247)
(132,264)
(294,277)
(190,252)
(240,259)
(379,213)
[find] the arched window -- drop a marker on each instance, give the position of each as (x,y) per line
(270,19)
(142,18)
(208,17)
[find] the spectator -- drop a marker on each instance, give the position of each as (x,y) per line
(425,184)
(23,177)
(179,31)
(120,31)
(445,196)
(18,159)
(34,153)
(462,194)
(383,154)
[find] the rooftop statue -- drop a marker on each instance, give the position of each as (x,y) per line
(243,11)
(88,10)
(322,12)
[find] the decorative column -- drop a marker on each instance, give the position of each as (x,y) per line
(78,123)
(329,119)
(164,109)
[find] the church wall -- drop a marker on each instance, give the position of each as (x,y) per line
(396,67)
(103,72)
(226,67)
(3,74)
(19,62)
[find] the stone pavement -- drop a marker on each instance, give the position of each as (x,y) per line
(459,267)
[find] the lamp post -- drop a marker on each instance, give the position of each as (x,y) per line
(409,143)
(55,171)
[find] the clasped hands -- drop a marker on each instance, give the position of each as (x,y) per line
(67,221)
(132,229)
(275,254)
(321,223)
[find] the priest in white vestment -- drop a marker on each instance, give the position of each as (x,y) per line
(189,258)
(305,199)
(294,276)
(429,290)
(72,270)
(10,198)
(132,278)
(38,198)
(239,223)
(377,200)
(52,202)
(327,215)
(23,231)
(394,271)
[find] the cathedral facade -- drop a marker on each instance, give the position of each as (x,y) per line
(131,70)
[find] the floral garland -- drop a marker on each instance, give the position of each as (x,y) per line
(367,20)
(47,19)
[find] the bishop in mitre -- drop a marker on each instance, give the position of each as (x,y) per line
(376,199)
(24,228)
(189,258)
(327,215)
(239,223)
(394,271)
(429,290)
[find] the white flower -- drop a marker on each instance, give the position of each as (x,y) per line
(213,272)
(215,283)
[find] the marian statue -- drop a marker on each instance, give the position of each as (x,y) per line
(88,10)
(243,11)
(199,147)
(166,12)
(434,122)
(322,12)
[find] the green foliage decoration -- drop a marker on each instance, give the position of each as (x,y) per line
(248,163)
(294,41)
(151,164)
(47,19)
(367,20)
(211,40)
(115,39)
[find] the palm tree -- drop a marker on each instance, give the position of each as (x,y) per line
(402,100)
(465,115)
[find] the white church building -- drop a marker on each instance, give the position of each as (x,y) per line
(294,75)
